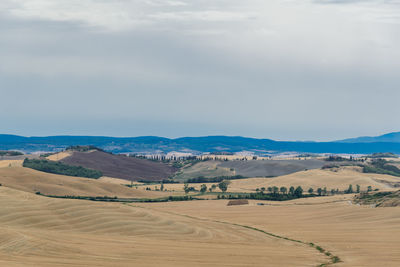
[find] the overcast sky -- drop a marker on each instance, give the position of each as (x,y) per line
(280,69)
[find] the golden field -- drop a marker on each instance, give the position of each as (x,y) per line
(42,231)
(59,156)
(33,181)
(358,235)
(331,179)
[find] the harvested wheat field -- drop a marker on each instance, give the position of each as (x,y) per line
(340,178)
(40,231)
(358,235)
(59,156)
(10,163)
(30,180)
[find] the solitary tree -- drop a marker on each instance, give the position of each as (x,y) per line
(270,189)
(310,191)
(358,188)
(224,185)
(283,190)
(369,188)
(203,188)
(262,190)
(186,188)
(213,187)
(162,187)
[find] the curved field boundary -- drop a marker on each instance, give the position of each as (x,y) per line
(332,258)
(304,204)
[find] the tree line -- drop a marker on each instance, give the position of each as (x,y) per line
(57,167)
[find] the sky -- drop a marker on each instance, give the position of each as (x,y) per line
(281,69)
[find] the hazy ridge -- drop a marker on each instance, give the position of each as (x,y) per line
(385,143)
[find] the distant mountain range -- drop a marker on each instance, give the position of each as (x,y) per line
(362,145)
(388,138)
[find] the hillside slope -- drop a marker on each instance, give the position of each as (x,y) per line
(263,168)
(40,231)
(120,166)
(32,181)
(390,138)
(321,178)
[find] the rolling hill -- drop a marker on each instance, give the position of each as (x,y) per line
(40,231)
(246,168)
(388,138)
(120,166)
(271,168)
(331,179)
(339,179)
(33,181)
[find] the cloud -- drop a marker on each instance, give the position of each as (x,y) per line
(342,1)
(257,68)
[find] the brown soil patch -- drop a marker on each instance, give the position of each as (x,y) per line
(120,166)
(236,202)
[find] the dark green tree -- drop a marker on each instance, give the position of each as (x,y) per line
(310,190)
(298,192)
(350,189)
(324,191)
(275,190)
(203,188)
(283,190)
(291,190)
(186,188)
(224,185)
(213,187)
(319,191)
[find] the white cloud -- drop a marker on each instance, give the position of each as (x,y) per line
(195,55)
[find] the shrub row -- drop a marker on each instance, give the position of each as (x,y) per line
(10,153)
(218,179)
(61,168)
